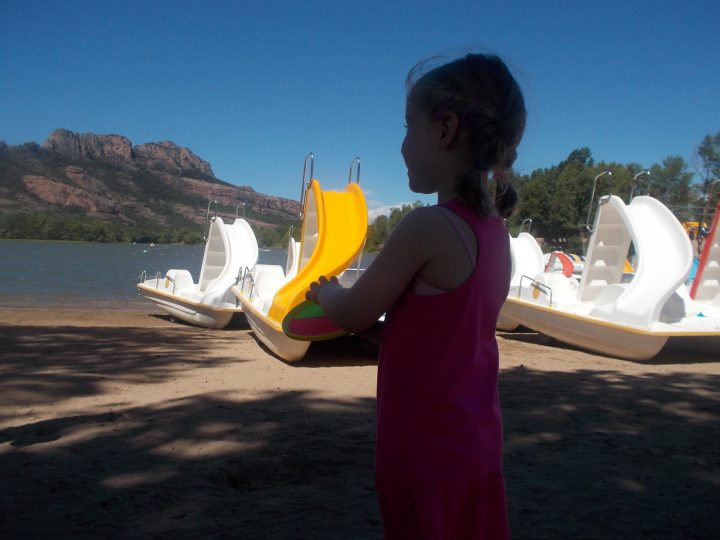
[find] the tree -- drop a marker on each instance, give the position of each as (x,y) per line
(707,157)
(671,184)
(380,229)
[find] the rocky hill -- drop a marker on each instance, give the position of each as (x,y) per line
(149,191)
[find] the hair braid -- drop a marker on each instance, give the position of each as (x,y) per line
(483,93)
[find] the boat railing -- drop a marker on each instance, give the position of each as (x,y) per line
(311,158)
(244,274)
(537,286)
(143,278)
(355,161)
(237,209)
(167,278)
(209,220)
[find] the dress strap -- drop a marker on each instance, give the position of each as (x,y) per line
(467,240)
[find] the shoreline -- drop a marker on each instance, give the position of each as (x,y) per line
(121,423)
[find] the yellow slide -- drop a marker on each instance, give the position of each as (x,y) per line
(333,235)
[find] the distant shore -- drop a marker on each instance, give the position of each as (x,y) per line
(123,424)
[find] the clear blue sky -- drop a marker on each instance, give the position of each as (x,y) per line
(252,87)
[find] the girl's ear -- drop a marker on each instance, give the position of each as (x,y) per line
(449,126)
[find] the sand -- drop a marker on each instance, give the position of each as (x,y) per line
(119,424)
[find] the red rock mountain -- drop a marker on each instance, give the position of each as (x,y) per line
(150,186)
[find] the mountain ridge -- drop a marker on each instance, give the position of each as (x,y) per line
(136,190)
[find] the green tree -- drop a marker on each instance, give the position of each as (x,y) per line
(377,233)
(708,168)
(670,182)
(380,229)
(556,198)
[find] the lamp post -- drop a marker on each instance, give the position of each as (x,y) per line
(592,197)
(632,187)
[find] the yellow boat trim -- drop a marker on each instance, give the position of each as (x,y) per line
(185,302)
(248,308)
(616,326)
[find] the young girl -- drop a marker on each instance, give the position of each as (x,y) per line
(442,278)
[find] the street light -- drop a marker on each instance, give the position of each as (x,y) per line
(592,197)
(632,187)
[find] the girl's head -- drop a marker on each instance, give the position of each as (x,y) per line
(480,95)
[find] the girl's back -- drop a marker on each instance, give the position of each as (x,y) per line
(437,397)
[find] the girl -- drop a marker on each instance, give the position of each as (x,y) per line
(442,278)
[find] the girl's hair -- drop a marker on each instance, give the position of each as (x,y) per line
(483,93)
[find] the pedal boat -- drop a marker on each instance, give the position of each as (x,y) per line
(209,303)
(601,313)
(333,235)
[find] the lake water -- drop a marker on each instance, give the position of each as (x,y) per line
(38,273)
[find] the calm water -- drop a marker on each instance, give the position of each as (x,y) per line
(40,273)
(36,273)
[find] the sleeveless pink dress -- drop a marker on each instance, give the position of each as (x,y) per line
(438,468)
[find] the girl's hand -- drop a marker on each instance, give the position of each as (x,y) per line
(317,286)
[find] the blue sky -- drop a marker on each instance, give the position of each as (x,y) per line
(252,87)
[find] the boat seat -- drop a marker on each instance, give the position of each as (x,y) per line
(267,279)
(564,289)
(527,258)
(181,278)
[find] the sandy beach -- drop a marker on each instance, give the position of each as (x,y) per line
(125,424)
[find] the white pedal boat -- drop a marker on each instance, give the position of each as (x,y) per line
(209,302)
(600,312)
(333,236)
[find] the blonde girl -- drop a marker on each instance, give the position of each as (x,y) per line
(441,279)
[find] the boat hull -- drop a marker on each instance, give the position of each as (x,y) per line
(187,310)
(270,333)
(586,333)
(505,323)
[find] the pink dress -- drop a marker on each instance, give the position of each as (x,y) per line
(438,468)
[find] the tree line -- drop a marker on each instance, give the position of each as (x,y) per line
(558,199)
(554,202)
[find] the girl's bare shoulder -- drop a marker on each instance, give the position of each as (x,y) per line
(427,224)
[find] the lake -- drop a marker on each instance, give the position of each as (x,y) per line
(42,273)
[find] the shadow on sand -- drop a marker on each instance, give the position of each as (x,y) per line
(589,454)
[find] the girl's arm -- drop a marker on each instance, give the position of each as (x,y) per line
(405,253)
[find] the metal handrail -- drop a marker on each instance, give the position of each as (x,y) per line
(522,225)
(357,175)
(302,187)
(237,206)
(536,285)
(170,279)
(359,264)
(245,274)
(592,197)
(207,219)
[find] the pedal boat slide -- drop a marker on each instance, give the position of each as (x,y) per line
(333,235)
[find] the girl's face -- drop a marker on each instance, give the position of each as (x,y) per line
(418,151)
